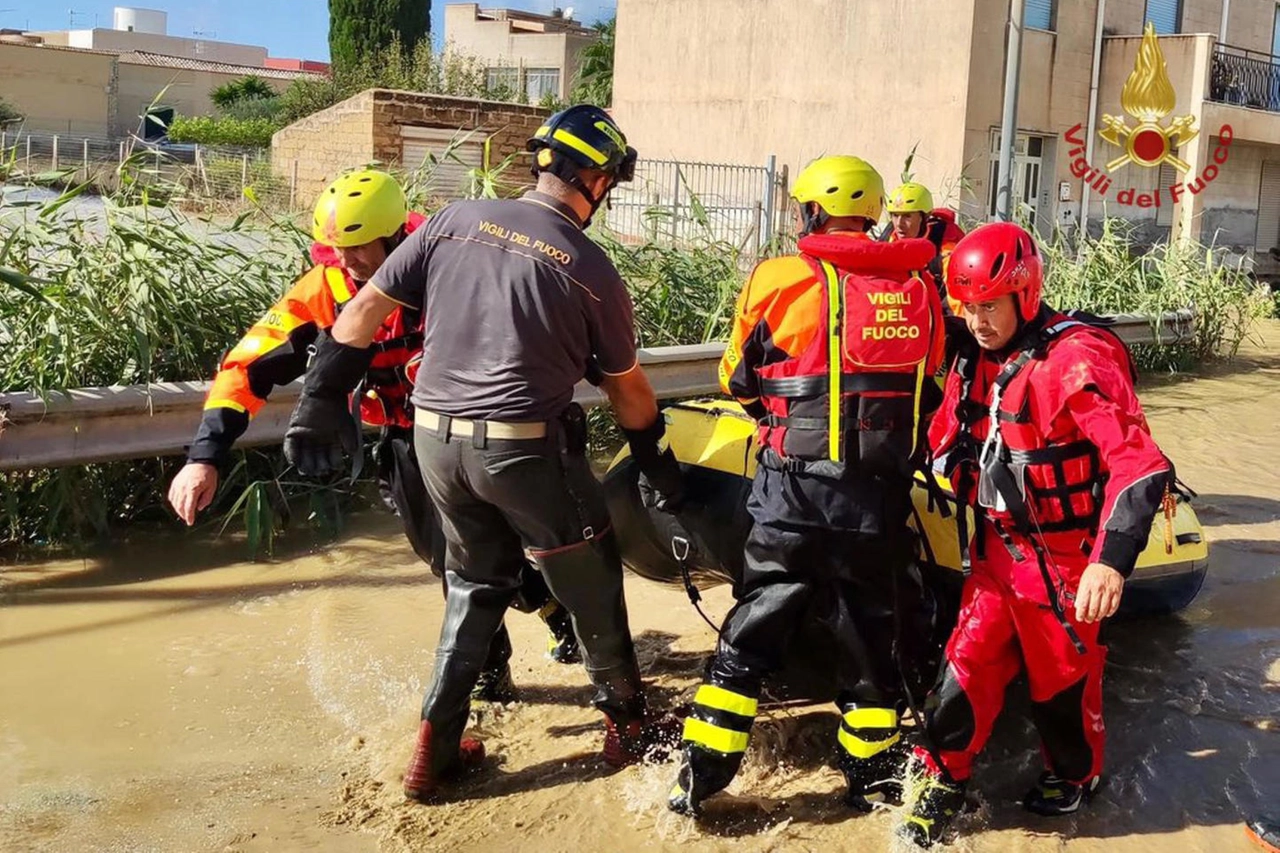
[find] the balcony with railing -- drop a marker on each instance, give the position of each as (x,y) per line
(1245,78)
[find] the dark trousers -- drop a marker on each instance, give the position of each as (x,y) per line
(502,505)
(404,493)
(821,549)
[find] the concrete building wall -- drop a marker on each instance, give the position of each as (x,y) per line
(185,90)
(1053,95)
(497,45)
(1249,22)
(734,81)
(119,41)
(1230,214)
(59,91)
(367,128)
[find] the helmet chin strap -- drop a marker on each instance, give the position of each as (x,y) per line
(567,172)
(813,218)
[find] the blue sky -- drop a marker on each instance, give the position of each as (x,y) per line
(290,28)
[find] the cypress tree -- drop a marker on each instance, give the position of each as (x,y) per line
(363,28)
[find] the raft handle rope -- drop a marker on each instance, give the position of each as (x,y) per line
(680,550)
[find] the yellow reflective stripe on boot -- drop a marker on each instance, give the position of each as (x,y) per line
(859,748)
(923,822)
(726,700)
(871,718)
(714,737)
(857,722)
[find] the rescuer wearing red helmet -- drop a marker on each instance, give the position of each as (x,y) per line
(1042,434)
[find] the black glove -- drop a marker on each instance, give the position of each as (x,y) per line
(319,431)
(321,426)
(661,481)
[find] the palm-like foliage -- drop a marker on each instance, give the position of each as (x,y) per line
(594,83)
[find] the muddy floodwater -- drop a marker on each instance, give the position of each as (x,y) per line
(171,697)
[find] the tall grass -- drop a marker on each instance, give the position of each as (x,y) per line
(119,291)
(1106,275)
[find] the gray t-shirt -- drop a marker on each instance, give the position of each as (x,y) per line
(516,302)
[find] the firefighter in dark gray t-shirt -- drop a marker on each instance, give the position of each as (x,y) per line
(519,306)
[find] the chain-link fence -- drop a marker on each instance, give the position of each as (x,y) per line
(685,203)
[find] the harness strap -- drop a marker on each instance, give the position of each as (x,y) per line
(850,383)
(1051,589)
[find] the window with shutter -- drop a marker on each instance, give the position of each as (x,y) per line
(1038,14)
(424,149)
(1269,207)
(1165,14)
(1164,214)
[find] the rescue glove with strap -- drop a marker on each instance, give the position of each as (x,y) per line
(322,426)
(661,481)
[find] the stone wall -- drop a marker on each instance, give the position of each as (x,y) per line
(325,144)
(366,128)
(506,126)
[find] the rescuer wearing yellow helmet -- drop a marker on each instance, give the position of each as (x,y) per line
(358,220)
(831,350)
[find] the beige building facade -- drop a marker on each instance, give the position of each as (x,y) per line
(738,80)
(103,94)
(525,53)
(135,29)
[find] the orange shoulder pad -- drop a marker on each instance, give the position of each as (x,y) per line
(785,294)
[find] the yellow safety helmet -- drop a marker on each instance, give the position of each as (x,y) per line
(911,198)
(841,186)
(358,208)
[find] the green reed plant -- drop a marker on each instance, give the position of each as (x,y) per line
(1107,275)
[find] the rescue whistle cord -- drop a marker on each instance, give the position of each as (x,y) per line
(680,550)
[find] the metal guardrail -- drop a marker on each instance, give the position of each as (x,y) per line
(136,421)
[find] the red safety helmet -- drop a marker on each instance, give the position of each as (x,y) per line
(993,260)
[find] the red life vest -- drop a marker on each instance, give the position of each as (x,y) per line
(850,399)
(1047,477)
(397,346)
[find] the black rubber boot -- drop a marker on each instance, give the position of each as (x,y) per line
(874,781)
(934,808)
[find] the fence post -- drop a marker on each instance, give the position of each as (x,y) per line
(244,174)
(770,188)
(293,186)
(28,152)
(86,158)
(4,142)
(121,152)
(55,152)
(759,211)
(783,194)
(675,201)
